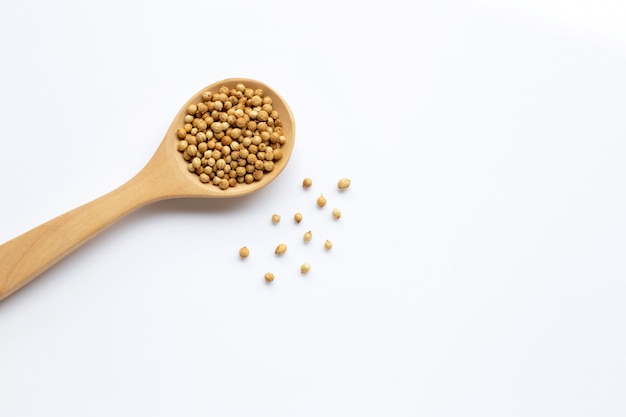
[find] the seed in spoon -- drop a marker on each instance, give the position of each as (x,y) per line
(241,127)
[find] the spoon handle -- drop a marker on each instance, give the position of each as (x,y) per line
(25,257)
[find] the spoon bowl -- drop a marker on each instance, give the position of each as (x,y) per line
(185,183)
(165,176)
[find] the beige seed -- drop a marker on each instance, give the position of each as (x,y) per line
(308,236)
(269,277)
(305,267)
(343,183)
(256,101)
(244,252)
(336,213)
(182,145)
(328,245)
(275,218)
(307,182)
(280,249)
(297,217)
(231,124)
(257,175)
(321,201)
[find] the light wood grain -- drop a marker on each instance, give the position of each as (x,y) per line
(165,176)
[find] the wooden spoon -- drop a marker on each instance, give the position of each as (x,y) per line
(165,176)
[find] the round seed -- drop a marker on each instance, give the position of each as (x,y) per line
(269,277)
(280,249)
(236,122)
(321,201)
(308,236)
(307,182)
(336,213)
(328,245)
(244,252)
(305,267)
(275,218)
(343,183)
(297,217)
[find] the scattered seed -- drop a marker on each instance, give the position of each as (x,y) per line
(275,218)
(297,217)
(269,277)
(336,213)
(244,252)
(328,245)
(280,249)
(305,267)
(307,182)
(308,236)
(343,183)
(321,201)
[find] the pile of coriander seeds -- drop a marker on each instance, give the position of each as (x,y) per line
(233,136)
(281,248)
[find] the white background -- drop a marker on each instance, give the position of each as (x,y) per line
(478,268)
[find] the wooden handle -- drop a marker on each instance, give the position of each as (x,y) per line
(28,255)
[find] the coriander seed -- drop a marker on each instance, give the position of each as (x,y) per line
(321,201)
(275,218)
(182,145)
(297,217)
(280,249)
(336,213)
(233,118)
(307,182)
(269,277)
(343,183)
(307,236)
(305,267)
(328,245)
(244,252)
